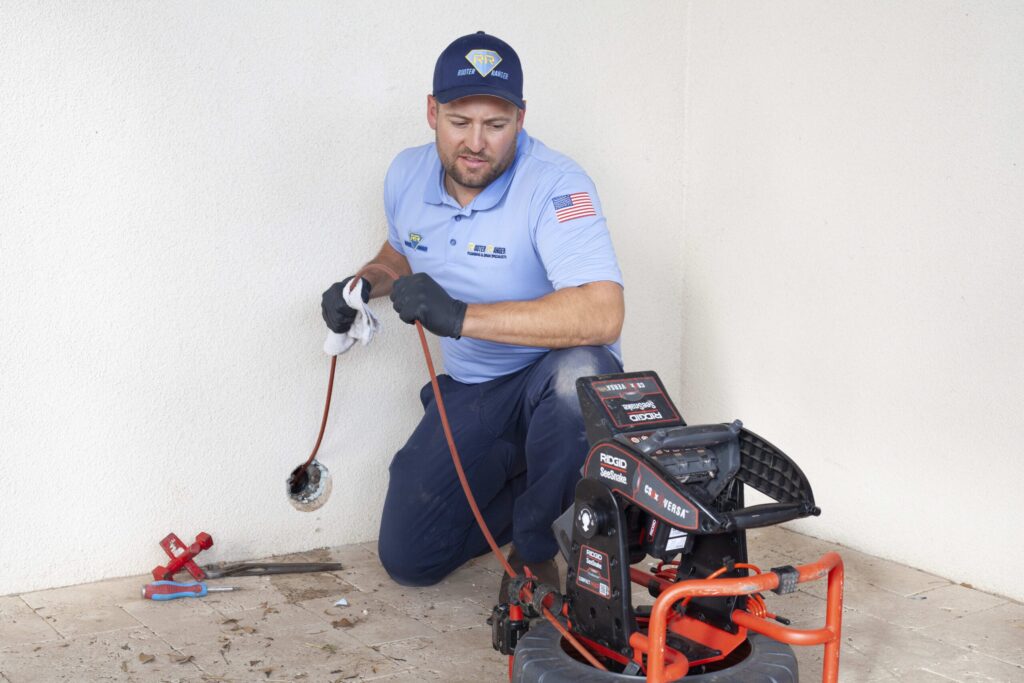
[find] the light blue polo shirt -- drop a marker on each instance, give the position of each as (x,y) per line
(537,228)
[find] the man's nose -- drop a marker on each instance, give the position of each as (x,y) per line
(475,141)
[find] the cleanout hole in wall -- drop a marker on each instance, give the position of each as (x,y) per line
(309,487)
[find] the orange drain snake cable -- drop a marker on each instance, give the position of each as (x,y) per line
(323,422)
(455,460)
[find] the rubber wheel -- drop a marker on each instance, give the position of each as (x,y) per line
(539,658)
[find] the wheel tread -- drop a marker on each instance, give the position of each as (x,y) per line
(539,658)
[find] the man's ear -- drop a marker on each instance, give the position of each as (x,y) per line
(521,117)
(432,112)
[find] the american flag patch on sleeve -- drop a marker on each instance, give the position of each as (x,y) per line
(575,205)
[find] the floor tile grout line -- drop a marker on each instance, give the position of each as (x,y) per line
(174,649)
(1003,600)
(950,620)
(385,678)
(41,617)
(918,633)
(396,640)
(987,609)
(892,674)
(1019,665)
(138,623)
(926,590)
(960,617)
(136,619)
(394,674)
(936,673)
(103,632)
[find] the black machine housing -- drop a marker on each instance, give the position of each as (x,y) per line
(652,485)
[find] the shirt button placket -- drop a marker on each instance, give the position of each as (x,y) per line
(453,237)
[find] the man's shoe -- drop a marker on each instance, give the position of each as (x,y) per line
(545,571)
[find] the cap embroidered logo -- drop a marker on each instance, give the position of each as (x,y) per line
(483,61)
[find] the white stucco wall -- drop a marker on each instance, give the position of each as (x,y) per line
(180,181)
(855,178)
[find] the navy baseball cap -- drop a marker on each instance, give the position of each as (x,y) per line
(479,64)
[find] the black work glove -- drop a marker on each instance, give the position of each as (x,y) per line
(338,315)
(419,297)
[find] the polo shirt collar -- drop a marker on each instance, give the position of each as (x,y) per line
(435,192)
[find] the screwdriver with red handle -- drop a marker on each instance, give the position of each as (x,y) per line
(169,590)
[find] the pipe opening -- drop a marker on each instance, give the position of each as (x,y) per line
(309,487)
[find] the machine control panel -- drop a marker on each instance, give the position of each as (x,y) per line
(626,403)
(636,402)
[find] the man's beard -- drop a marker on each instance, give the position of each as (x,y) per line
(484,176)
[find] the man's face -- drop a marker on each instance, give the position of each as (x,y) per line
(476,139)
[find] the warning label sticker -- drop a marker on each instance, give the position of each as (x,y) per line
(592,574)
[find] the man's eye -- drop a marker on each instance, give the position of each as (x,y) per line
(497,126)
(459,124)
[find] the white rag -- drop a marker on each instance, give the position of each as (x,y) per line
(363,327)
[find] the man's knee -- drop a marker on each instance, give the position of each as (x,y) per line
(401,560)
(570,364)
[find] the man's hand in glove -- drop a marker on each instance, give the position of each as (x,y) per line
(419,297)
(337,314)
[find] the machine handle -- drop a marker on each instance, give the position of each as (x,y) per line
(687,437)
(768,514)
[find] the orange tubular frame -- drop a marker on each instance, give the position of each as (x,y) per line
(830,564)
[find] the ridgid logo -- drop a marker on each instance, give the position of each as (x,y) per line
(613,460)
(613,468)
(645,417)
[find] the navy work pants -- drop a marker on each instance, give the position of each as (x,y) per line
(521,441)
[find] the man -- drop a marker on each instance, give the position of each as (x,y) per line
(512,266)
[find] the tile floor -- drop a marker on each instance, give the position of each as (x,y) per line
(900,624)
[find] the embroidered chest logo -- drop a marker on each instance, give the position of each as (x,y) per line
(414,242)
(485,250)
